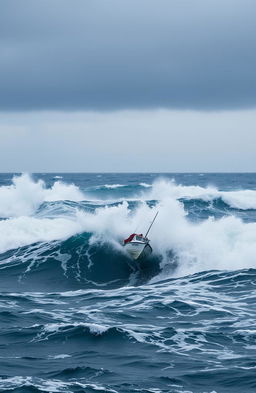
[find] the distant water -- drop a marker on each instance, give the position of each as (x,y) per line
(77,315)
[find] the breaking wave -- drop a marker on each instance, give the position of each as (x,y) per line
(38,214)
(25,195)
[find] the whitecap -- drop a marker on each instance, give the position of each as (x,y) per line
(25,195)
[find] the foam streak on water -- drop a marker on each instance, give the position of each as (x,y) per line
(78,315)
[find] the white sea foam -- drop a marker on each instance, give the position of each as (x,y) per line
(93,327)
(113,186)
(146,185)
(22,231)
(244,199)
(61,191)
(25,195)
(163,188)
(60,356)
(227,243)
(49,385)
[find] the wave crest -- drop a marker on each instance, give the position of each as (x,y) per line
(25,195)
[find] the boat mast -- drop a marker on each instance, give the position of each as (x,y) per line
(151,224)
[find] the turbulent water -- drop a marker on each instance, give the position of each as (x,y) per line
(76,313)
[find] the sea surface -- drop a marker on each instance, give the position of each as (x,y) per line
(78,315)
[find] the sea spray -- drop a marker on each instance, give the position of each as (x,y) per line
(24,196)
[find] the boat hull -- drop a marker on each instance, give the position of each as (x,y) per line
(138,250)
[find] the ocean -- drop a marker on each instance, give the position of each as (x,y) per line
(78,315)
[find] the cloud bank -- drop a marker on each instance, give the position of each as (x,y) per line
(136,54)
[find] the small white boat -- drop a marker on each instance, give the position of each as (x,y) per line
(138,246)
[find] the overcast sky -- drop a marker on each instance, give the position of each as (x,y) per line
(119,85)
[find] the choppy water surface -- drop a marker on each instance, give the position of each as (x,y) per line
(76,314)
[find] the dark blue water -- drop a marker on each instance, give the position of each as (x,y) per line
(78,315)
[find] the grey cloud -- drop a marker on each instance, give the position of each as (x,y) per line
(114,54)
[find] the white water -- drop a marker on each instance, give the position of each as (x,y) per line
(24,196)
(227,243)
(241,199)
